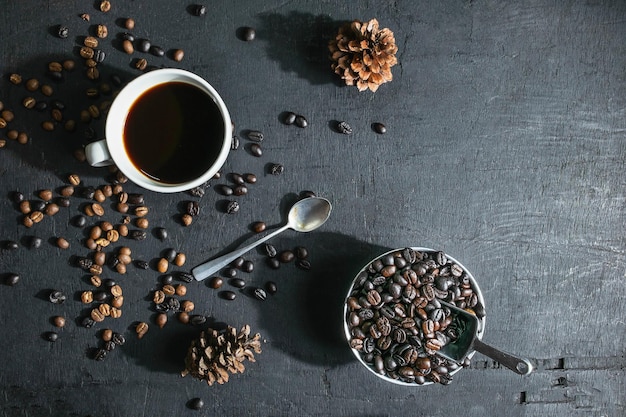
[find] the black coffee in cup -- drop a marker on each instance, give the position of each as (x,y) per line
(174,132)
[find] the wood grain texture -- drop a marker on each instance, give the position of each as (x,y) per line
(505,148)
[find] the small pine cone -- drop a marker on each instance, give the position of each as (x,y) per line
(363,54)
(215,355)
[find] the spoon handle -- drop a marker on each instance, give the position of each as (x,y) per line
(518,365)
(208,268)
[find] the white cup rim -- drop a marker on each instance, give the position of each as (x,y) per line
(116,119)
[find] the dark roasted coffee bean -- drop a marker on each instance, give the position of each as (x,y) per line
(225,190)
(141,264)
(35,242)
(303,264)
(255,135)
(228,295)
(238,262)
(127,37)
(135,199)
(301,121)
(271,287)
(198,319)
(237,282)
(230,272)
(301,252)
(240,190)
(169,254)
(256,150)
(260,294)
(11,245)
(237,178)
(197,191)
(12,279)
(234,143)
(118,339)
(143,45)
(184,277)
(196,403)
(192,208)
(269,250)
(38,205)
(290,118)
(63,32)
(248,266)
(247,34)
(276,169)
(198,10)
(232,207)
(379,128)
(273,263)
(286,256)
(138,234)
(250,178)
(161,233)
(85,263)
(216,282)
(56,297)
(17,197)
(87,322)
(156,51)
(51,336)
(344,128)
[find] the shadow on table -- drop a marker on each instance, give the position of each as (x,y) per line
(299,42)
(59,104)
(305,318)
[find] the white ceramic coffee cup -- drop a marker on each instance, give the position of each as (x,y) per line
(111,150)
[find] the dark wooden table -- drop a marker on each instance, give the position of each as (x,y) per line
(505,148)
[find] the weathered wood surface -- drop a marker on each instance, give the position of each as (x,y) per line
(505,148)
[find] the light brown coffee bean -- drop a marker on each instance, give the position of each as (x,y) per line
(120,268)
(142,223)
(116,313)
(180,259)
(181,290)
(97,209)
(102,31)
(186,219)
(74,179)
(107,335)
(86,297)
(161,320)
(105,309)
(187,306)
(159,297)
(96,315)
(162,265)
(141,211)
(117,301)
(168,289)
(141,329)
(127,46)
(95,280)
(51,209)
(36,216)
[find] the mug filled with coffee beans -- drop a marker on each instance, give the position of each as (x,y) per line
(396,317)
(168,131)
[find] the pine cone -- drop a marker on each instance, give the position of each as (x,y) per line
(363,55)
(215,355)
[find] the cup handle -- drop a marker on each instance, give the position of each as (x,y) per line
(98,154)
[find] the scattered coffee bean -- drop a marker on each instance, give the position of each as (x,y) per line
(232,207)
(192,208)
(100,353)
(290,118)
(29,102)
(35,242)
(379,128)
(56,297)
(129,24)
(258,227)
(303,264)
(178,55)
(184,277)
(162,265)
(180,259)
(73,179)
(127,46)
(196,403)
(301,252)
(79,221)
(105,6)
(141,64)
(286,256)
(237,282)
(186,219)
(102,31)
(141,329)
(169,254)
(228,295)
(198,10)
(247,34)
(230,272)
(273,263)
(256,150)
(15,79)
(51,336)
(260,294)
(301,121)
(58,321)
(269,250)
(250,178)
(248,266)
(63,32)
(225,190)
(12,279)
(38,205)
(216,282)
(161,320)
(137,234)
(276,169)
(240,190)
(270,287)
(118,338)
(144,45)
(141,264)
(156,50)
(161,233)
(344,128)
(11,245)
(255,135)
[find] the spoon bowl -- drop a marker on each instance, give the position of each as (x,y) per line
(306,215)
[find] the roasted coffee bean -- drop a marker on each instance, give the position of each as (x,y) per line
(270,287)
(137,234)
(180,259)
(249,178)
(100,353)
(225,190)
(178,55)
(192,208)
(102,31)
(255,136)
(12,279)
(29,102)
(127,46)
(184,277)
(237,178)
(273,263)
(269,250)
(196,404)
(198,10)
(169,254)
(286,256)
(255,150)
(258,227)
(234,143)
(290,118)
(11,245)
(247,34)
(134,199)
(35,242)
(160,233)
(63,32)
(156,50)
(303,264)
(301,252)
(141,64)
(232,207)
(301,121)
(344,128)
(143,45)
(162,265)
(228,295)
(79,221)
(105,6)
(230,272)
(276,169)
(237,282)
(56,297)
(260,294)
(161,320)
(129,23)
(15,79)
(240,190)
(51,336)
(141,264)
(216,282)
